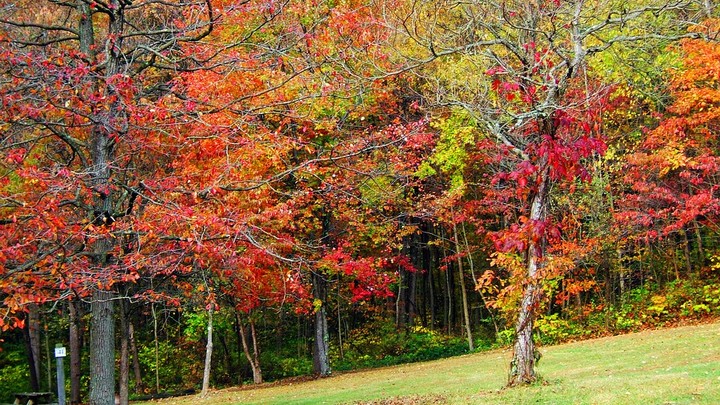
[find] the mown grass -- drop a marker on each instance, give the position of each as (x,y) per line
(669,366)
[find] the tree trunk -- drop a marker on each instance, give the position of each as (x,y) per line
(426,286)
(226,355)
(399,303)
(431,284)
(321,361)
(522,367)
(124,356)
(339,324)
(75,351)
(103,138)
(34,377)
(475,281)
(240,347)
(466,312)
(699,242)
(254,359)
(447,290)
(48,362)
(157,347)
(139,386)
(102,350)
(257,372)
(208,354)
(34,337)
(411,298)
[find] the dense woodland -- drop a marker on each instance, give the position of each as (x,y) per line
(208,193)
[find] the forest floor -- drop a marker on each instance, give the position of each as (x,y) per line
(666,366)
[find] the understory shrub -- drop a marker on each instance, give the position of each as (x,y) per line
(643,307)
(381,344)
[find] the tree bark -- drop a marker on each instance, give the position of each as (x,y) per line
(34,377)
(431,284)
(461,273)
(699,241)
(339,324)
(208,354)
(411,298)
(75,351)
(399,303)
(254,359)
(34,337)
(522,366)
(124,356)
(139,386)
(257,372)
(102,334)
(321,360)
(102,350)
(686,250)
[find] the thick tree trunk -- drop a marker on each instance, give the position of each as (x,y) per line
(208,354)
(75,351)
(104,136)
(124,356)
(321,360)
(34,377)
(34,337)
(522,367)
(102,350)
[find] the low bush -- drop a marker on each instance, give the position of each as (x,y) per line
(381,344)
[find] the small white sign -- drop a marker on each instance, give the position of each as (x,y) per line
(60,352)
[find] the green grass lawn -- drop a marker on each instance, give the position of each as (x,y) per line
(669,366)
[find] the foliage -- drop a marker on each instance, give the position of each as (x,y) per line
(177,370)
(552,329)
(14,376)
(281,162)
(279,365)
(383,345)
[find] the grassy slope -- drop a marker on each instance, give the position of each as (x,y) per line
(679,365)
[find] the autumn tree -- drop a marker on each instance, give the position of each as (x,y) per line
(83,157)
(518,68)
(671,177)
(260,169)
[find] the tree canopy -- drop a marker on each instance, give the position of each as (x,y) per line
(493,170)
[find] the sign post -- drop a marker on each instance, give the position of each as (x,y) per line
(59,355)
